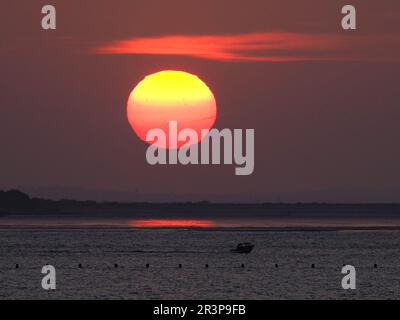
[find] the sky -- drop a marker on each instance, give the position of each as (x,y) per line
(324,102)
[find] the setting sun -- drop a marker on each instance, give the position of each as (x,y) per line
(171,96)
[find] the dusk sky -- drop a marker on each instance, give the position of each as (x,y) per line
(324,102)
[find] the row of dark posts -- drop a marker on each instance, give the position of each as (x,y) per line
(17,266)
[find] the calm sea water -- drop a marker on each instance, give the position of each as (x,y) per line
(99,249)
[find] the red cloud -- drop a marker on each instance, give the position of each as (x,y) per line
(273,46)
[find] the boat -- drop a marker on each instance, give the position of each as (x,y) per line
(244,247)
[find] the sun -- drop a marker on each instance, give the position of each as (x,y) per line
(171,95)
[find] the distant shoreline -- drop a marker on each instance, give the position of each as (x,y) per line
(21,211)
(201,229)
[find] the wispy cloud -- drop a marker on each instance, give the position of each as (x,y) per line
(272,46)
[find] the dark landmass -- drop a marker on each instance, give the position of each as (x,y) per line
(15,202)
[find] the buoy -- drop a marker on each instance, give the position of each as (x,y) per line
(147,265)
(375,266)
(276,265)
(312,266)
(242,265)
(17,266)
(116,265)
(80,265)
(206,265)
(180,266)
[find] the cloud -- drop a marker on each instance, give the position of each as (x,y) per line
(262,46)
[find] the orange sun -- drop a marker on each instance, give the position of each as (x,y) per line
(171,96)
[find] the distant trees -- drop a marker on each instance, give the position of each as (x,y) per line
(14,200)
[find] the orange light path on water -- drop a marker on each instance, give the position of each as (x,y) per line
(163,223)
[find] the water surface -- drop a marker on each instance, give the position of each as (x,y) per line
(278,268)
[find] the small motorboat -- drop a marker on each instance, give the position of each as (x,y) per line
(244,247)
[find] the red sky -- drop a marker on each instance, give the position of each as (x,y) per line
(326,129)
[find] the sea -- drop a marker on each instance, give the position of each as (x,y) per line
(97,258)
